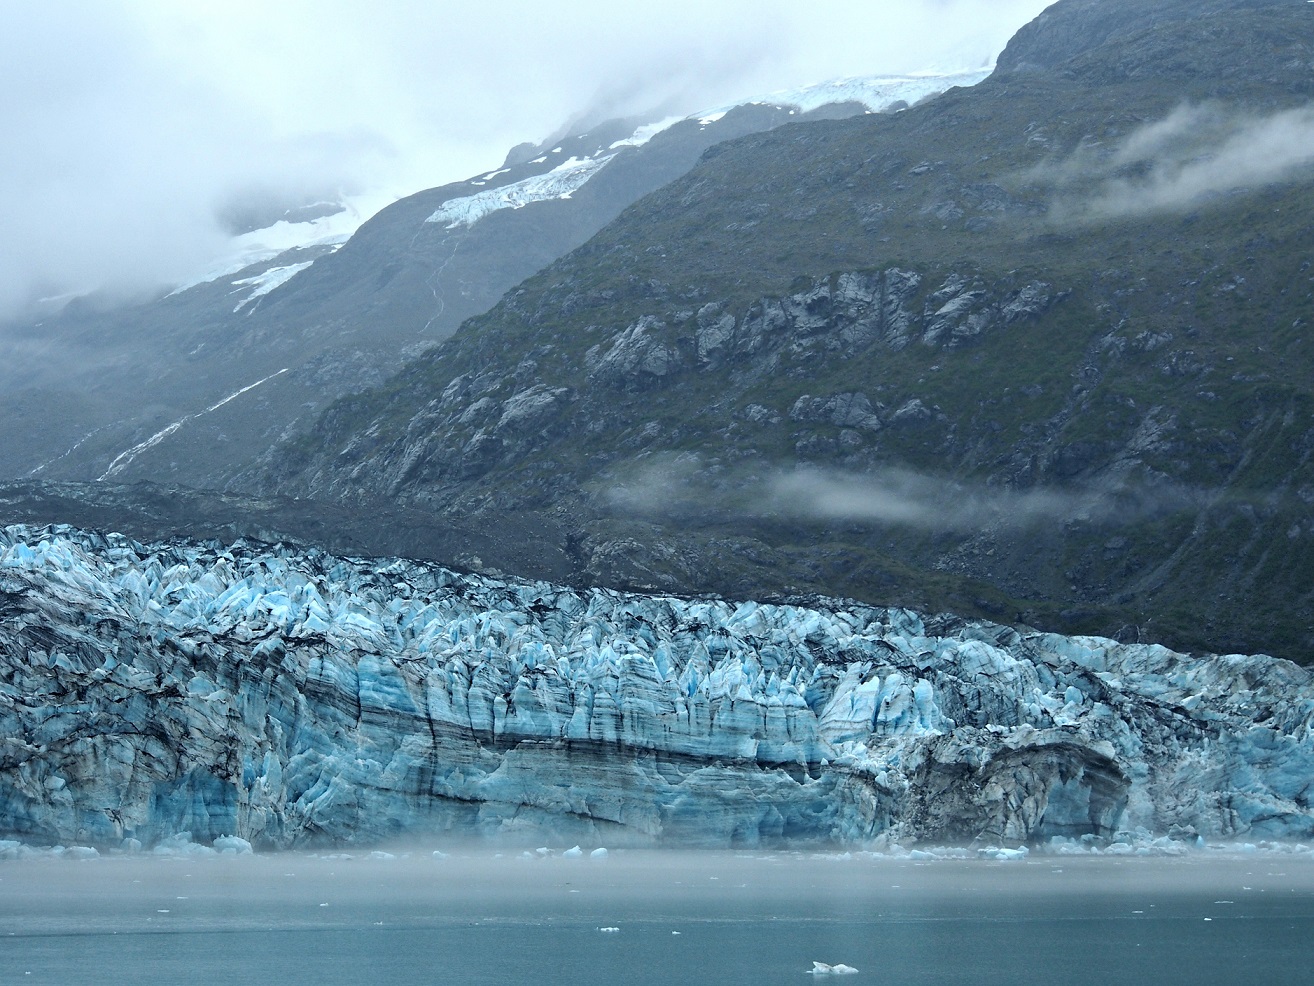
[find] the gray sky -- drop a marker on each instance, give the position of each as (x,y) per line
(131,123)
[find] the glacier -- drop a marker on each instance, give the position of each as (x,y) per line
(261,284)
(286,697)
(560,183)
(876,93)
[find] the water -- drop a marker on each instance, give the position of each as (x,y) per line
(681,918)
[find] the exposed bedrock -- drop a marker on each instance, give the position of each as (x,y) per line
(296,698)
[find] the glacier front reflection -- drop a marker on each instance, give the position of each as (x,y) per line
(677,917)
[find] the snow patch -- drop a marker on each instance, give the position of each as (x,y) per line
(124,459)
(647,132)
(559,183)
(260,246)
(261,284)
(877,93)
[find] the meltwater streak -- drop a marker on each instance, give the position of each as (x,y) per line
(124,459)
(709,917)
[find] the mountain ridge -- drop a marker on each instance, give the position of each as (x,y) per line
(299,328)
(1143,343)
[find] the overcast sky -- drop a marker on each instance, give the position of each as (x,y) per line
(129,126)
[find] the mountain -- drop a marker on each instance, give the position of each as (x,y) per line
(189,387)
(283,698)
(1035,350)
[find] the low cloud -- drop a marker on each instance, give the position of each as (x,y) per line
(685,487)
(900,497)
(135,129)
(1195,154)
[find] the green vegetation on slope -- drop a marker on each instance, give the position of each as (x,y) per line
(1102,393)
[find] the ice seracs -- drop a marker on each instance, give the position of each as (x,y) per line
(284,697)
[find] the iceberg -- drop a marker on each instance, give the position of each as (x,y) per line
(273,696)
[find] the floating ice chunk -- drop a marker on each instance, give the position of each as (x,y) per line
(598,853)
(609,930)
(995,852)
(181,844)
(233,844)
(575,852)
(543,851)
(822,969)
(439,854)
(379,854)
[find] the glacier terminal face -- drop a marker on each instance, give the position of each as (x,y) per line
(289,698)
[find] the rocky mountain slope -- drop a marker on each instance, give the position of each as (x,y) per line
(1034,350)
(298,699)
(187,388)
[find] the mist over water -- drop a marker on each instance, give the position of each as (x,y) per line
(720,917)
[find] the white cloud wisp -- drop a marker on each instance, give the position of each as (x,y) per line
(134,127)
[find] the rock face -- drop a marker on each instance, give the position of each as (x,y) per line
(92,393)
(956,292)
(1070,28)
(481,421)
(293,698)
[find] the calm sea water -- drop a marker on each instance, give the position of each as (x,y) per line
(680,918)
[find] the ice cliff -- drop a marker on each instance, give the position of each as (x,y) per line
(291,697)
